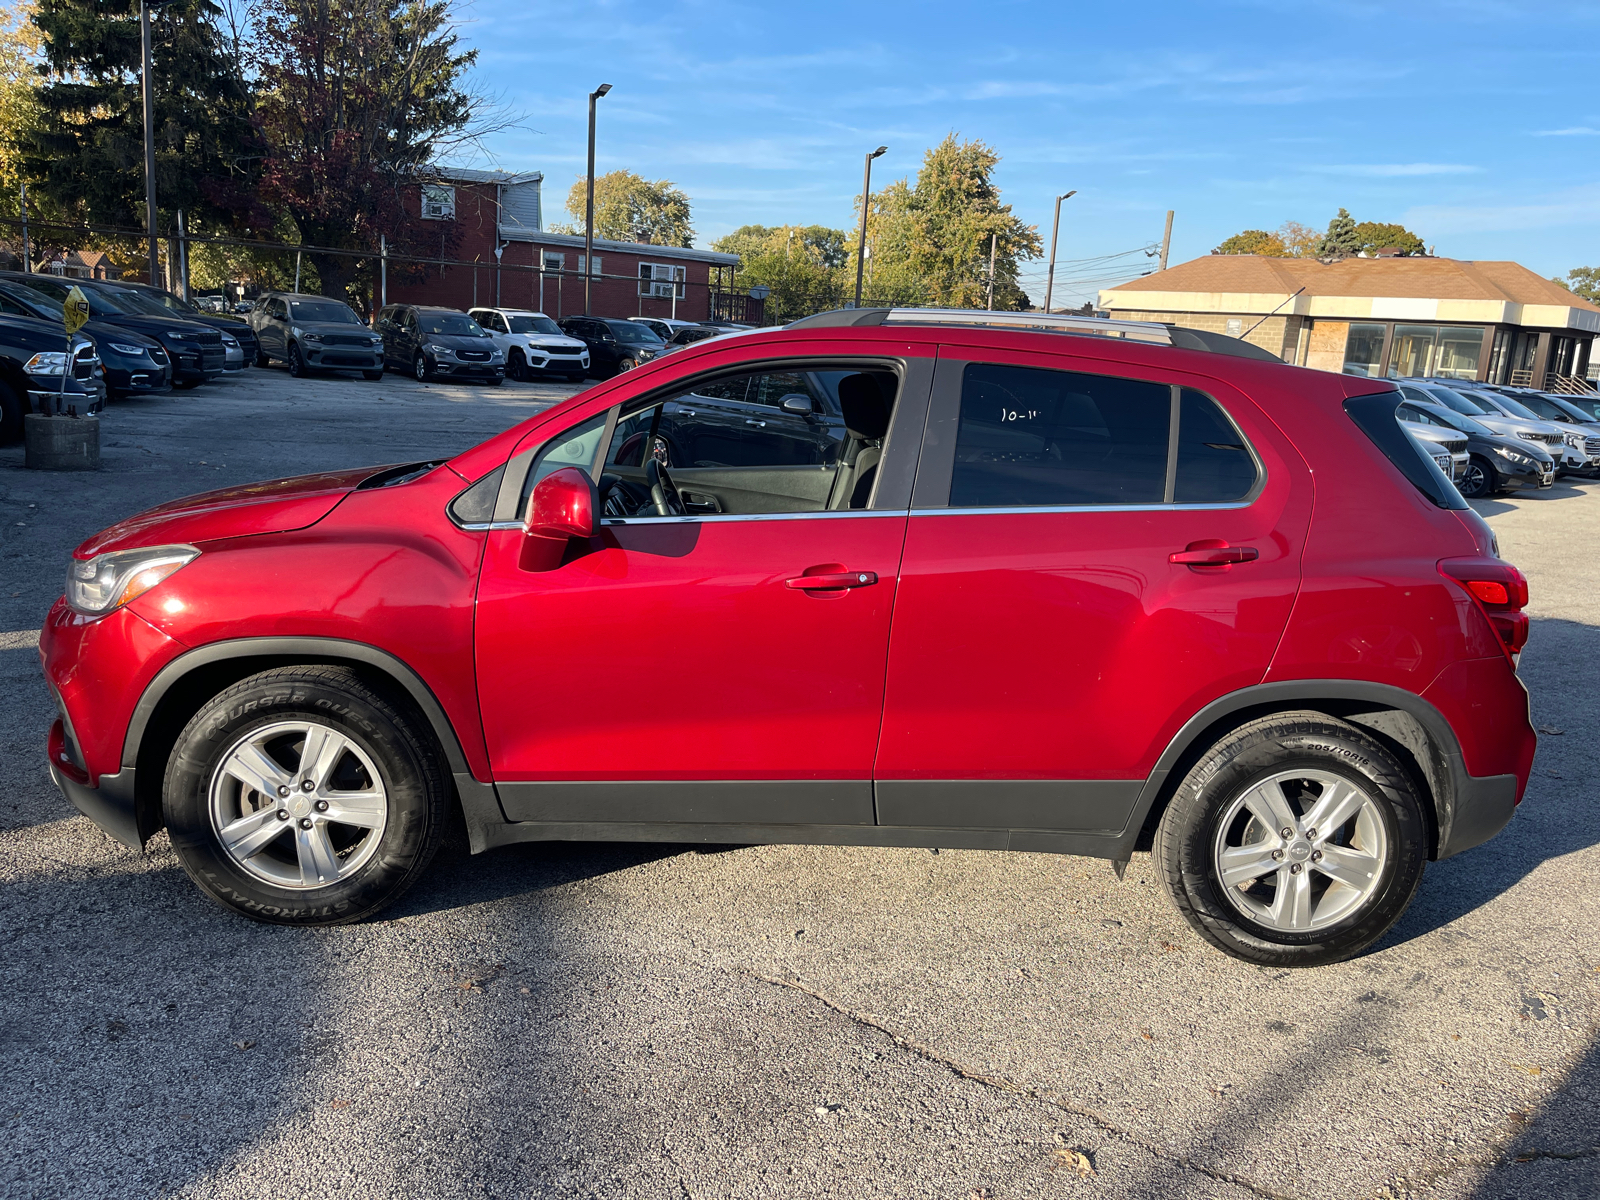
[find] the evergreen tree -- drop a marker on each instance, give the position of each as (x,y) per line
(1341,240)
(85,151)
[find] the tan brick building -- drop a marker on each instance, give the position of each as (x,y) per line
(1389,317)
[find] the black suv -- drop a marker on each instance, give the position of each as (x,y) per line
(614,345)
(1499,462)
(33,358)
(165,302)
(135,364)
(433,342)
(195,349)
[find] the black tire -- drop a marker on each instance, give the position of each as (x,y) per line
(1479,480)
(371,375)
(517,366)
(186,385)
(262,360)
(1190,830)
(415,795)
(12,411)
(420,369)
(297,365)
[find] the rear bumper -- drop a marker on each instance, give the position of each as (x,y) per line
(1483,807)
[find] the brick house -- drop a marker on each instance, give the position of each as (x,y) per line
(479,212)
(1389,317)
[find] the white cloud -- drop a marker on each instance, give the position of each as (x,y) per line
(1571,131)
(1393,170)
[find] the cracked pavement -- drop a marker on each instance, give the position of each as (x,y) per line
(656,1021)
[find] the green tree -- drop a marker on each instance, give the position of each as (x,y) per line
(801,264)
(1582,281)
(1371,236)
(1254,241)
(629,208)
(85,151)
(929,242)
(19,105)
(1299,240)
(1341,240)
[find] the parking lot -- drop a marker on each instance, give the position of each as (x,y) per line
(574,1020)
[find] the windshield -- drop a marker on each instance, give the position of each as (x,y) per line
(632,331)
(534,325)
(1518,408)
(1591,408)
(328,312)
(38,305)
(101,304)
(141,302)
(449,324)
(1463,423)
(1462,404)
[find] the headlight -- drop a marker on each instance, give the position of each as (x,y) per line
(47,362)
(1575,440)
(377,341)
(175,336)
(229,340)
(124,348)
(108,581)
(1530,437)
(1512,455)
(310,337)
(443,351)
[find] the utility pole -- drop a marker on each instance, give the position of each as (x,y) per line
(991,271)
(588,210)
(383,271)
(297,255)
(1166,241)
(1055,228)
(147,85)
(866,195)
(183,258)
(27,249)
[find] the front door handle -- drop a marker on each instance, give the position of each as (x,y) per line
(1213,552)
(832,581)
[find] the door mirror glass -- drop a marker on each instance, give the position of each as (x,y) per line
(562,507)
(796,403)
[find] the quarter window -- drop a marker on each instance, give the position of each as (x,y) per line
(1214,464)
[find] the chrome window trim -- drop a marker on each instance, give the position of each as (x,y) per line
(1082,508)
(720,518)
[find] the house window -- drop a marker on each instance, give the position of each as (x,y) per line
(661,281)
(438,202)
(554,261)
(598,269)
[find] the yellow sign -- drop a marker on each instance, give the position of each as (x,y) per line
(77,309)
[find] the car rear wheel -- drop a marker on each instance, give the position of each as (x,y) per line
(301,796)
(297,365)
(626,364)
(1479,479)
(1297,840)
(517,366)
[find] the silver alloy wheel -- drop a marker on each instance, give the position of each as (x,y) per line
(1300,850)
(1475,481)
(300,827)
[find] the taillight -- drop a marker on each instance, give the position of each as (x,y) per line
(1501,592)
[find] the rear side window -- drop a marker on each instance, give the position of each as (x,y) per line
(1375,415)
(1035,438)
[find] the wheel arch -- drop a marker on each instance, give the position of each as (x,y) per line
(185,684)
(1411,728)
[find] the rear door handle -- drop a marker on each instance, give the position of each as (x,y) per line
(832,581)
(1213,553)
(758,424)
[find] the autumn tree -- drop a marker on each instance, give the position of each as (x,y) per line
(931,238)
(1299,240)
(1254,241)
(357,101)
(1372,236)
(1582,281)
(19,106)
(629,208)
(802,265)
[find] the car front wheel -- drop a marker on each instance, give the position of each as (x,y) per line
(1297,840)
(297,365)
(419,367)
(1480,479)
(301,796)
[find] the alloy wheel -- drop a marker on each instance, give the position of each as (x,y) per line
(1475,480)
(419,366)
(297,804)
(1300,850)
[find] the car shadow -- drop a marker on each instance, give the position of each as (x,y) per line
(1553,1150)
(1558,814)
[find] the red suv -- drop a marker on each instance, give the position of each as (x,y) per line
(886,578)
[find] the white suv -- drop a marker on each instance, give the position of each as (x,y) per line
(534,346)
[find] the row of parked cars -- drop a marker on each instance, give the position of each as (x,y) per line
(1489,438)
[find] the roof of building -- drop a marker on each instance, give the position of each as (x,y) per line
(1435,278)
(471,175)
(642,249)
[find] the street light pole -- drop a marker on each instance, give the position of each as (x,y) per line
(588,208)
(1055,228)
(866,194)
(147,85)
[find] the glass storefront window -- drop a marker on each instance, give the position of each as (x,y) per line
(1412,353)
(1460,348)
(1450,351)
(1363,351)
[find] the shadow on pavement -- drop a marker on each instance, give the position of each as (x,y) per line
(1557,1152)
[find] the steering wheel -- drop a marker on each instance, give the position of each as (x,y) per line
(665,497)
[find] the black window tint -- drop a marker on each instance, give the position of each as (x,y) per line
(771,389)
(1030,437)
(1374,414)
(1214,464)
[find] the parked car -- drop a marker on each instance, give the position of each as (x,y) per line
(314,333)
(1587,403)
(434,342)
(614,345)
(193,349)
(665,328)
(1107,634)
(34,358)
(693,334)
(1445,446)
(134,363)
(1569,450)
(1464,400)
(1583,430)
(212,304)
(533,345)
(1496,462)
(229,326)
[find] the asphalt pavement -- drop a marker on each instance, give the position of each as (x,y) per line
(650,1021)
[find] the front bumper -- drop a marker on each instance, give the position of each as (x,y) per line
(145,378)
(469,370)
(345,358)
(110,805)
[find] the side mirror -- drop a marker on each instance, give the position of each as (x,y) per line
(796,403)
(562,507)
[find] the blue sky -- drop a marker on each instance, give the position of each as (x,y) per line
(1475,123)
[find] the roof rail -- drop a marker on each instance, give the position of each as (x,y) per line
(1143,331)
